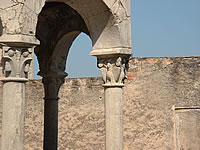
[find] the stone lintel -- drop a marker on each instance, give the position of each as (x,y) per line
(105,53)
(19,40)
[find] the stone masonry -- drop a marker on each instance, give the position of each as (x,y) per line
(161,108)
(156,108)
(48,29)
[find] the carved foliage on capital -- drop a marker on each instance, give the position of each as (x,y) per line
(16,61)
(113,70)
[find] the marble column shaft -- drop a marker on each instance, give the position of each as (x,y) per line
(16,63)
(13,116)
(114,72)
(114,118)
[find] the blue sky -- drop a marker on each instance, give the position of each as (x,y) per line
(159,28)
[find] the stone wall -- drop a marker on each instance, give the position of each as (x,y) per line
(162,104)
(81,115)
(161,108)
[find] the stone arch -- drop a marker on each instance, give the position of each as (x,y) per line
(59,22)
(57,28)
(108,22)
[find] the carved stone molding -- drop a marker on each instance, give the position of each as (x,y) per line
(113,70)
(51,87)
(16,61)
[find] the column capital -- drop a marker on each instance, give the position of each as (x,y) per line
(16,63)
(113,69)
(52,66)
(51,87)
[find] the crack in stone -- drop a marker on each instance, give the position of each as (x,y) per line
(9,7)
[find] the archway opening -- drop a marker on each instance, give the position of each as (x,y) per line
(57,28)
(79,62)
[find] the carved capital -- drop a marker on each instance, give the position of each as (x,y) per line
(52,66)
(113,70)
(16,61)
(51,87)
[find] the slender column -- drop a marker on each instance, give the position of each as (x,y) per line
(113,71)
(52,69)
(16,63)
(114,118)
(51,87)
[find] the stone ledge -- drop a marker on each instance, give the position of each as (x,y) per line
(111,51)
(19,40)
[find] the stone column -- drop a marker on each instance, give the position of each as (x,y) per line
(16,63)
(113,71)
(51,87)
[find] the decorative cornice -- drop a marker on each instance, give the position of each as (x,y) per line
(113,70)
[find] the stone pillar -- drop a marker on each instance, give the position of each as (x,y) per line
(16,64)
(52,69)
(51,88)
(113,70)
